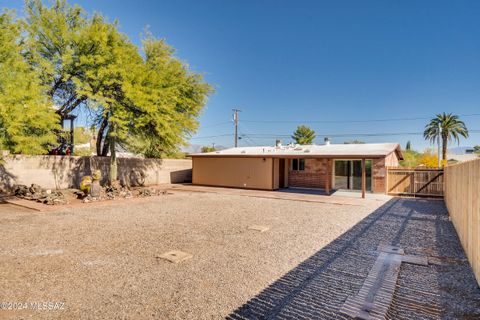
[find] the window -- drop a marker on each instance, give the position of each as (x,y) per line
(298,164)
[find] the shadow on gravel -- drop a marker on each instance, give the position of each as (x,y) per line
(317,288)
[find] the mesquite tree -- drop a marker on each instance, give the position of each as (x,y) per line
(27,119)
(147,103)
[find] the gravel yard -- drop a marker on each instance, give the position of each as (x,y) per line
(103,261)
(319,286)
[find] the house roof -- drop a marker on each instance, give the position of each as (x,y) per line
(462,157)
(373,150)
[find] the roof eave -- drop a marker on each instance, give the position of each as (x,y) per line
(398,151)
(288,156)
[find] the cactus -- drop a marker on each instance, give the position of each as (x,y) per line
(86,184)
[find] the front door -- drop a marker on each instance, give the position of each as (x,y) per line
(281,173)
(348,174)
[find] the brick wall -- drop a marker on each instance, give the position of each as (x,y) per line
(316,174)
(317,171)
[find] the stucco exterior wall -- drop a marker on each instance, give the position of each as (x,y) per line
(276,173)
(62,172)
(252,173)
(264,173)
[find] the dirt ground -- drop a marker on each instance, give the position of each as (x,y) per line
(103,261)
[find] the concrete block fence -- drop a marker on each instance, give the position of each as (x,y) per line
(61,172)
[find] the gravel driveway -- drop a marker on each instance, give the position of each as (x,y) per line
(98,261)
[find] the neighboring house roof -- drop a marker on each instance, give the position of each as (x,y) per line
(374,150)
(461,150)
(462,157)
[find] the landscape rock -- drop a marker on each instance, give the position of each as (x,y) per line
(95,188)
(145,192)
(37,193)
(79,194)
(21,190)
(95,193)
(35,188)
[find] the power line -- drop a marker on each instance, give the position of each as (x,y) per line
(342,134)
(269,135)
(273,135)
(247,139)
(351,121)
(215,124)
(208,137)
(246,135)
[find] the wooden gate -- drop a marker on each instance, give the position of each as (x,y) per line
(416,182)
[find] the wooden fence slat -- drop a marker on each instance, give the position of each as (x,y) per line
(462,193)
(415,182)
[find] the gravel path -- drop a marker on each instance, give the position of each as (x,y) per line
(103,261)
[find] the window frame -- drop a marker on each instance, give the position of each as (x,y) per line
(300,164)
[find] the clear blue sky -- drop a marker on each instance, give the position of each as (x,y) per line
(319,61)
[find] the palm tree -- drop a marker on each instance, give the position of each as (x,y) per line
(448,127)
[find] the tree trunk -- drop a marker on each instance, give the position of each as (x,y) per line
(100,136)
(70,105)
(113,157)
(444,147)
(106,146)
(98,145)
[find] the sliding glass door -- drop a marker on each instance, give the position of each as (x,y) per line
(348,174)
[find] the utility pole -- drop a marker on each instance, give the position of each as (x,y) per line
(235,123)
(439,152)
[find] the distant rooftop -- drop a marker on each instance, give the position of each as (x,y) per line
(461,150)
(326,150)
(462,157)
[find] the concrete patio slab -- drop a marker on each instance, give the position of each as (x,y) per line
(292,194)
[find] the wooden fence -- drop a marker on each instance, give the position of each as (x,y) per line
(462,193)
(415,182)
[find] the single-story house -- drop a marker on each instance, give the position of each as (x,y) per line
(330,166)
